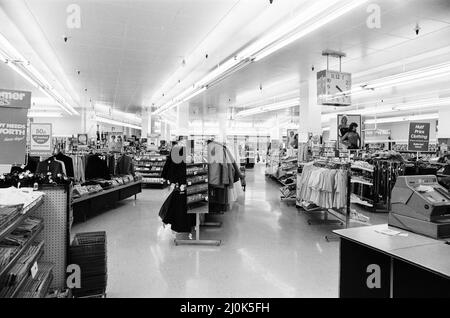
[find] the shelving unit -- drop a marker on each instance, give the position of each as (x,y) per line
(197,201)
(150,167)
(28,256)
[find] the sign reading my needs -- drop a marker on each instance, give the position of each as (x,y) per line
(15,99)
(419,137)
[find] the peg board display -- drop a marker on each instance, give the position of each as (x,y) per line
(56,214)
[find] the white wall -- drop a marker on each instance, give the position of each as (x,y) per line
(65,126)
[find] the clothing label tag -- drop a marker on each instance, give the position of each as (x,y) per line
(34,269)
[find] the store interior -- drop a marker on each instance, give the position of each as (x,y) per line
(297,124)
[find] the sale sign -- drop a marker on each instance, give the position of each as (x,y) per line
(41,139)
(13,132)
(419,137)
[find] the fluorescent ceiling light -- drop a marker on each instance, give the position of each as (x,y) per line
(24,68)
(400,119)
(317,9)
(268,108)
(267,45)
(116,122)
(419,75)
(43,114)
(168,106)
(404,78)
(392,108)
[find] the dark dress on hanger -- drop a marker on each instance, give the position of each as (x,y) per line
(68,163)
(174,209)
(50,165)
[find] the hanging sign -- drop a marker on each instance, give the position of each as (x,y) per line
(41,139)
(13,132)
(419,137)
(15,99)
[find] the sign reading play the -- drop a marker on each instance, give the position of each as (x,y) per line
(419,137)
(41,139)
(15,99)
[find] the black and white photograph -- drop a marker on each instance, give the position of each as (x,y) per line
(224,157)
(349,132)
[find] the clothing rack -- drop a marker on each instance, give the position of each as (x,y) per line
(343,219)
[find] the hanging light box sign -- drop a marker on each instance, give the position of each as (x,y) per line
(14,107)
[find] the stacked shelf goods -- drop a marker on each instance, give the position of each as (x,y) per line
(197,186)
(88,250)
(150,167)
(21,273)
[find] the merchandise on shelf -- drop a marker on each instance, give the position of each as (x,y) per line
(149,167)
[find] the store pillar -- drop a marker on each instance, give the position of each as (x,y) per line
(88,122)
(146,122)
(183,119)
(310,111)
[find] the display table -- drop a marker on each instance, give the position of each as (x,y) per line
(94,202)
(378,265)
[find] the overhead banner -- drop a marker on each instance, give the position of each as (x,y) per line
(13,132)
(15,99)
(419,137)
(41,139)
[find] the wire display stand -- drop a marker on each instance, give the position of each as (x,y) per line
(197,202)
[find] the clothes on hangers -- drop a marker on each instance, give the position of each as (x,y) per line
(51,165)
(325,187)
(175,172)
(125,165)
(97,167)
(68,163)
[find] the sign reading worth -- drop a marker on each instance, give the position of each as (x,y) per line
(419,137)
(41,139)
(13,132)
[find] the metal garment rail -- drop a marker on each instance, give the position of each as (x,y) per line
(343,219)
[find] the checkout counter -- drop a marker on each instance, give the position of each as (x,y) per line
(421,205)
(407,258)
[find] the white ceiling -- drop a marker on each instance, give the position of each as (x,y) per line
(129,52)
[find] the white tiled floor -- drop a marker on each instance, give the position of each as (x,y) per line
(268,250)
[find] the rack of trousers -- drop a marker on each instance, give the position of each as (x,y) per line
(373,181)
(324,187)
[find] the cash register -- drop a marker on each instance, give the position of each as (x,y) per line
(421,205)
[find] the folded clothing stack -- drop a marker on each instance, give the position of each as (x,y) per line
(79,191)
(38,286)
(13,196)
(197,188)
(12,243)
(195,170)
(20,270)
(197,179)
(196,197)
(8,215)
